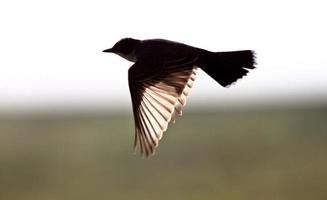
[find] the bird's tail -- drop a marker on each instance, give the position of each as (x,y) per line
(227,67)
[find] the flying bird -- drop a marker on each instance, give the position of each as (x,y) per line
(162,76)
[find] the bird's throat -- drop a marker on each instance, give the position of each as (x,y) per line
(130,57)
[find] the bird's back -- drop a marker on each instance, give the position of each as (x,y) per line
(159,50)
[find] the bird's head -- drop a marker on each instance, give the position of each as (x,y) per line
(123,47)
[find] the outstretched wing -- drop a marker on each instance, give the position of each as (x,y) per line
(157,97)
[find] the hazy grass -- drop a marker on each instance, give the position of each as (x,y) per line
(272,154)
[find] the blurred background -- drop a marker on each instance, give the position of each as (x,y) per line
(66,125)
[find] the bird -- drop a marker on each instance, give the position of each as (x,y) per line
(162,76)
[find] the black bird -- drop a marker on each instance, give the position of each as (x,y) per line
(162,76)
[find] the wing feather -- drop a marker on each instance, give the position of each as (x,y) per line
(157,101)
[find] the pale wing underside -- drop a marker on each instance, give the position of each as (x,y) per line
(156,102)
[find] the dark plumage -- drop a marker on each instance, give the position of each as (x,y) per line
(162,76)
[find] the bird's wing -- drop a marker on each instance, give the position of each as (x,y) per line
(157,98)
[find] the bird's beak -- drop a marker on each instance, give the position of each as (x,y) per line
(108,50)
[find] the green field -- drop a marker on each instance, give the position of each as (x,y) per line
(267,154)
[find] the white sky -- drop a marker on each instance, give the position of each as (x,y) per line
(50,51)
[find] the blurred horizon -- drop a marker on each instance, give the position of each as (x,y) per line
(126,109)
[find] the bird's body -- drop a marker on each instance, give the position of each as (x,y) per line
(162,76)
(165,50)
(159,48)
